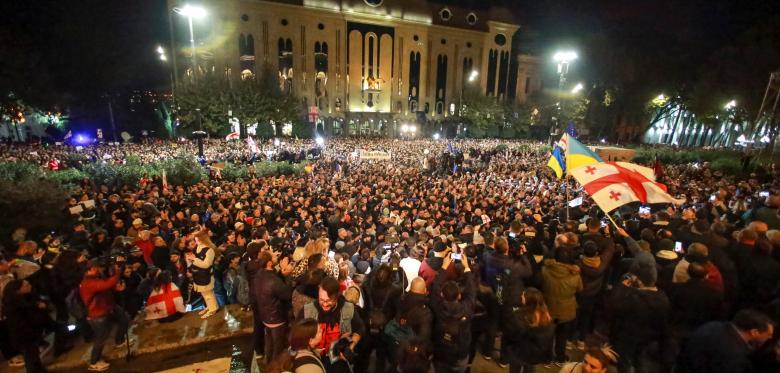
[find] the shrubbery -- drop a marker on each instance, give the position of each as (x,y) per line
(182,171)
(726,161)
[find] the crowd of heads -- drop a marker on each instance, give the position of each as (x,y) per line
(350,223)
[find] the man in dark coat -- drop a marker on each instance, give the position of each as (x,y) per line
(640,314)
(272,297)
(724,346)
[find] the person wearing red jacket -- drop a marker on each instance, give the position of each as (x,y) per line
(96,291)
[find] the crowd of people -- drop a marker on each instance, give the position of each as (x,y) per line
(446,252)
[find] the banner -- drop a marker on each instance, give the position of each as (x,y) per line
(373,155)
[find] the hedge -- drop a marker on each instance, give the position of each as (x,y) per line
(185,171)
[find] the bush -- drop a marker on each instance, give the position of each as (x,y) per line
(182,171)
(19,171)
(728,166)
(68,177)
(35,205)
(235,173)
(501,147)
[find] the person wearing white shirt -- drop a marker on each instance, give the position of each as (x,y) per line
(411,264)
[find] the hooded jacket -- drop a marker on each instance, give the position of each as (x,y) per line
(452,331)
(561,283)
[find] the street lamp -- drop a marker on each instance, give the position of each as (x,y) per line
(192,11)
(563,58)
(473,75)
(199,134)
(730,105)
(577,88)
(436,136)
(161,53)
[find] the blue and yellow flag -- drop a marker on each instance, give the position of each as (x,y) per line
(579,155)
(557,162)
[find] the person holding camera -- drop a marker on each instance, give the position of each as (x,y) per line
(504,274)
(97,293)
(454,311)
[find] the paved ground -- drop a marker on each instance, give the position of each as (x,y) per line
(220,344)
(190,333)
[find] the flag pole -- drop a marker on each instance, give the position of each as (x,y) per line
(567,195)
(610,219)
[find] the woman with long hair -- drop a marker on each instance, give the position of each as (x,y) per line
(529,332)
(305,335)
(203,272)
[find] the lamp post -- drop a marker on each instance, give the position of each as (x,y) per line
(192,11)
(563,58)
(199,134)
(161,53)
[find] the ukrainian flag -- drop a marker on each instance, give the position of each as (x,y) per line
(557,162)
(579,155)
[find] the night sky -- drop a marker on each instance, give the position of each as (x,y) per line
(84,48)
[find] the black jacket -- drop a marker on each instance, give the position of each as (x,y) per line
(527,344)
(694,303)
(272,297)
(452,328)
(638,315)
(25,320)
(515,269)
(715,347)
(416,309)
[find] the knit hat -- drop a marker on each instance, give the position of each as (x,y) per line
(646,274)
(363,267)
(666,244)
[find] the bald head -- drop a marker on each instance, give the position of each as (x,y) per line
(418,286)
(759,227)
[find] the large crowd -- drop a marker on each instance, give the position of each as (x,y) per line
(447,252)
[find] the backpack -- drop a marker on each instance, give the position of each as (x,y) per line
(451,334)
(75,305)
(502,285)
(242,292)
(377,318)
(396,332)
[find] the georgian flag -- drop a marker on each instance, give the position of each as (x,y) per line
(614,184)
(164,302)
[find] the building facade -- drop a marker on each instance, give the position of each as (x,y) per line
(366,65)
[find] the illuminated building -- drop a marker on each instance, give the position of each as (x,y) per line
(367,65)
